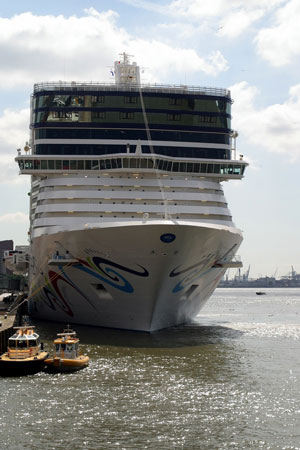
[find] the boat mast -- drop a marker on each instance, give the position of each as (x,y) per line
(126,73)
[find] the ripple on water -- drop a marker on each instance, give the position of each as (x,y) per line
(266,329)
(223,385)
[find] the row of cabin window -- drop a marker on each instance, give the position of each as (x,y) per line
(109,149)
(127,115)
(131,163)
(108,133)
(72,100)
(62,101)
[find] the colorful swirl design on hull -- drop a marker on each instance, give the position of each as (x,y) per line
(54,295)
(97,267)
(193,272)
(187,281)
(107,274)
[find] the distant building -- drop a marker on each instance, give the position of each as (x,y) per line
(5,245)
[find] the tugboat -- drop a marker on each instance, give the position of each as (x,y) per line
(66,357)
(25,354)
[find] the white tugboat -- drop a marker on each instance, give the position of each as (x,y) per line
(25,354)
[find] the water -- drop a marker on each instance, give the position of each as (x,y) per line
(228,381)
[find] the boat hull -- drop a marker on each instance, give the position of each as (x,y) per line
(137,277)
(66,365)
(20,367)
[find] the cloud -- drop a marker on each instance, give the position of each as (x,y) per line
(236,23)
(218,8)
(276,127)
(14,132)
(33,48)
(44,48)
(234,17)
(280,44)
(165,59)
(147,5)
(17,217)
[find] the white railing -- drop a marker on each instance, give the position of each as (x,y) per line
(161,88)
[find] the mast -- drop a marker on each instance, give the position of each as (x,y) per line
(125,72)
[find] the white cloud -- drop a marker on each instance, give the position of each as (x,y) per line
(33,48)
(17,217)
(198,9)
(44,48)
(165,60)
(280,44)
(14,132)
(147,5)
(237,22)
(276,127)
(234,16)
(13,124)
(193,9)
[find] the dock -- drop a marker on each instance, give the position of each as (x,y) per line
(11,313)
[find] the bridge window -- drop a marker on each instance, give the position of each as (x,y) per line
(97,98)
(182,167)
(126,115)
(175,101)
(98,114)
(28,165)
(61,114)
(207,119)
(131,99)
(174,117)
(95,165)
(73,164)
(132,163)
(36,164)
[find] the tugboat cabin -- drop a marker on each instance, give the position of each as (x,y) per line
(67,345)
(25,343)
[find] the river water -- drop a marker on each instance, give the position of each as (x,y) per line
(230,380)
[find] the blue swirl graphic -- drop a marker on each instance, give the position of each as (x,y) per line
(126,285)
(179,286)
(98,261)
(175,272)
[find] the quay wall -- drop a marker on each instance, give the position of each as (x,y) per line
(10,316)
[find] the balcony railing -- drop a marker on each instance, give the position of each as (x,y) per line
(222,169)
(155,88)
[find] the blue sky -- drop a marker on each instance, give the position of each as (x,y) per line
(251,47)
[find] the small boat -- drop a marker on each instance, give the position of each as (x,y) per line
(25,354)
(66,357)
(260,293)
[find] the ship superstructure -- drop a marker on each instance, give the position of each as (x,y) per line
(129,224)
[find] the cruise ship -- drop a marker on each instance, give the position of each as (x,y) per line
(129,226)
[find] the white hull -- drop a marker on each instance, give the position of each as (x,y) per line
(126,186)
(125,276)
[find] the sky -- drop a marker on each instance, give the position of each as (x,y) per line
(251,47)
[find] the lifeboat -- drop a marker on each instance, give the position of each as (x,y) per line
(25,354)
(67,357)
